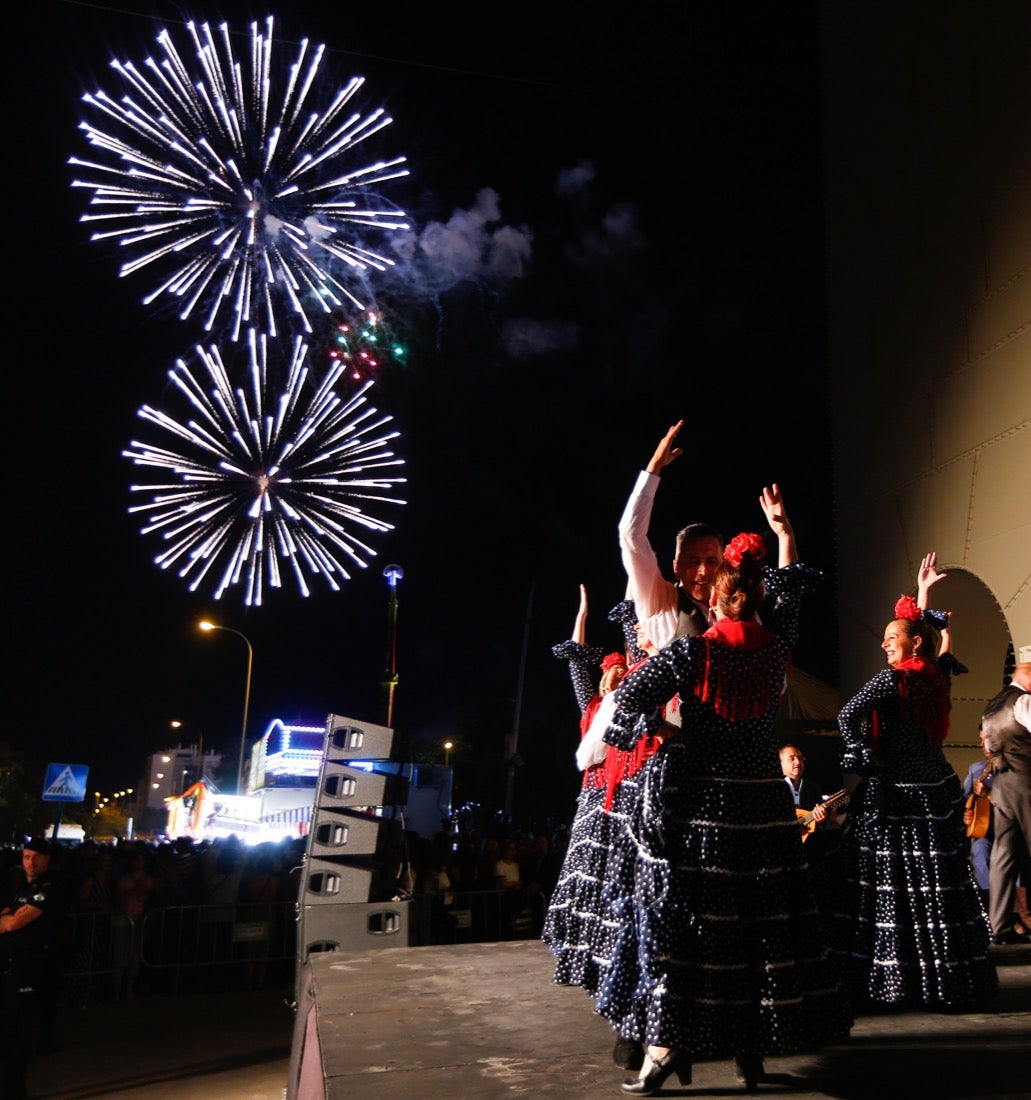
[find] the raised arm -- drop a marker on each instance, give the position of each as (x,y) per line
(583,659)
(777,517)
(926,578)
(651,592)
(666,451)
(580,622)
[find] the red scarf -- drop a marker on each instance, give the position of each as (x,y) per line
(736,688)
(619,764)
(927,707)
(594,776)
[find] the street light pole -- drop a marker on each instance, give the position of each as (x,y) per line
(392,573)
(512,741)
(246,694)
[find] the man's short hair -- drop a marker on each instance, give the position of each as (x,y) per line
(698,531)
(40,845)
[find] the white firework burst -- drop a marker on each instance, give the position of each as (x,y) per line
(262,481)
(239,183)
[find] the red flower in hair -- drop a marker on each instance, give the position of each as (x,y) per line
(613,660)
(906,608)
(741,544)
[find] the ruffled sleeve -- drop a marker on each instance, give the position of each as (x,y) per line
(938,619)
(948,665)
(640,697)
(583,660)
(625,613)
(858,721)
(784,591)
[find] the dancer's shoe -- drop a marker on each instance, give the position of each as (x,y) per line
(628,1054)
(673,1062)
(749,1069)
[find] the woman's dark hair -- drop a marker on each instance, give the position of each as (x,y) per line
(922,629)
(739,588)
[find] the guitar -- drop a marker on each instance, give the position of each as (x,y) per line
(807,818)
(980,805)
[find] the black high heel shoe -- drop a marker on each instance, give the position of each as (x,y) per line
(749,1069)
(628,1054)
(674,1062)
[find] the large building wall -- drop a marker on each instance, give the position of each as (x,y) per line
(927,132)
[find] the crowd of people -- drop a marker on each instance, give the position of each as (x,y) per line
(714,902)
(81,923)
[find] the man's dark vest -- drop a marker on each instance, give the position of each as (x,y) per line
(1010,741)
(690,620)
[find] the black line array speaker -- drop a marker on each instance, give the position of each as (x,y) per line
(348,889)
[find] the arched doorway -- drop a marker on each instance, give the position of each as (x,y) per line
(981,641)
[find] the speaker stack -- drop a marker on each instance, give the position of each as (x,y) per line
(349,880)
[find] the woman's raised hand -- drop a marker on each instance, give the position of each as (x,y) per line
(926,578)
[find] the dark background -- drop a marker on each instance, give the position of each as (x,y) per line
(687,277)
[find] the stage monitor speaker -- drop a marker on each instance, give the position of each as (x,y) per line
(345,833)
(341,787)
(330,883)
(353,927)
(349,739)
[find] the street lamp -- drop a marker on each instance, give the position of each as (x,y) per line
(448,746)
(205,625)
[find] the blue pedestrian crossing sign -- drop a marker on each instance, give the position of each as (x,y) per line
(65,783)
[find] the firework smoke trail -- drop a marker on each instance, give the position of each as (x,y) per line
(235,185)
(260,482)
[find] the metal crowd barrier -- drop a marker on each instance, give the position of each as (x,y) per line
(180,944)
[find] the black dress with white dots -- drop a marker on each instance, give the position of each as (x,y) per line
(908,924)
(571,923)
(719,948)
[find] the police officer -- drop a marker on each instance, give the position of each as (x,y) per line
(29,967)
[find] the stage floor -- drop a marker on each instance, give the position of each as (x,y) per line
(479,1021)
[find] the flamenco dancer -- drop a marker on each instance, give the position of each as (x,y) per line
(570,926)
(578,929)
(719,954)
(908,924)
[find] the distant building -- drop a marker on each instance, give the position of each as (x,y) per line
(169,772)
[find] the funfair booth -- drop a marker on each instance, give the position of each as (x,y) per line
(280,785)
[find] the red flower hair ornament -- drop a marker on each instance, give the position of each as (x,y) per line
(741,544)
(906,608)
(613,660)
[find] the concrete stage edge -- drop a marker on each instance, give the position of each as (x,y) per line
(478,1021)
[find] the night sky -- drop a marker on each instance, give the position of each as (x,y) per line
(660,164)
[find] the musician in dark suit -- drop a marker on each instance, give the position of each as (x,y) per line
(1007,737)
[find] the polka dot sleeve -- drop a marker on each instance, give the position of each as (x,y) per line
(855,723)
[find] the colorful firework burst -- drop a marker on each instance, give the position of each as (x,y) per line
(245,192)
(363,345)
(263,482)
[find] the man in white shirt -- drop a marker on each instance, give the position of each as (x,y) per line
(667,611)
(806,792)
